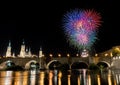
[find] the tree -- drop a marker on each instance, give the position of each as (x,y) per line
(116,51)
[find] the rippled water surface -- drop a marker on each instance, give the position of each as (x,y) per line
(56,77)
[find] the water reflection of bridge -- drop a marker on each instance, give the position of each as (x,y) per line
(72,61)
(56,77)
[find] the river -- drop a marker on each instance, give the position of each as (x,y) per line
(56,77)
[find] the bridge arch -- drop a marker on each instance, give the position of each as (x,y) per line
(52,63)
(7,63)
(27,65)
(104,63)
(79,65)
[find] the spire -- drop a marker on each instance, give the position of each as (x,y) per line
(13,55)
(29,49)
(40,52)
(26,49)
(22,51)
(8,52)
(40,48)
(9,43)
(23,42)
(29,52)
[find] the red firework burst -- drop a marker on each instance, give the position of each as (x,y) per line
(91,19)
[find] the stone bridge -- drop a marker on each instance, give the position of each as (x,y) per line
(46,62)
(24,62)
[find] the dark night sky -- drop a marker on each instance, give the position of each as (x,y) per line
(40,24)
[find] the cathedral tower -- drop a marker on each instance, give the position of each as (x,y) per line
(8,52)
(40,52)
(22,51)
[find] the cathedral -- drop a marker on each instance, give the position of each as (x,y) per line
(24,52)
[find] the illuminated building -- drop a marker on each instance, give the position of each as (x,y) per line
(8,52)
(84,53)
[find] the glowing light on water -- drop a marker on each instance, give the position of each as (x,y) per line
(25,78)
(42,76)
(50,77)
(18,78)
(59,78)
(98,79)
(89,80)
(32,77)
(7,79)
(69,80)
(109,79)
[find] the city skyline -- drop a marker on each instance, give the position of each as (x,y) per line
(42,26)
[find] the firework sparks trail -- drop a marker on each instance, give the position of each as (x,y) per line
(81,26)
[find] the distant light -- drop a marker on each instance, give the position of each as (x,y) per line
(59,55)
(50,55)
(111,55)
(68,55)
(96,55)
(77,55)
(106,54)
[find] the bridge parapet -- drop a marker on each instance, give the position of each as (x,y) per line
(71,60)
(61,60)
(106,59)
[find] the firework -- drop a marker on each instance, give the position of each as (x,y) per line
(81,26)
(72,20)
(82,39)
(91,20)
(86,19)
